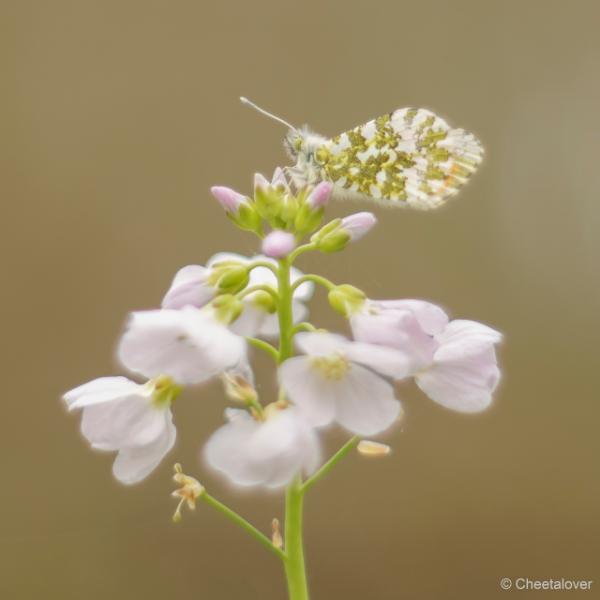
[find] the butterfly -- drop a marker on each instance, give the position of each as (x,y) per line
(409,157)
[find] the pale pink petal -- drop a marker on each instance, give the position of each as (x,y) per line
(464,383)
(465,338)
(269,326)
(250,320)
(131,421)
(320,343)
(185,344)
(309,390)
(134,464)
(103,389)
(386,361)
(431,317)
(268,453)
(365,403)
(398,329)
(189,287)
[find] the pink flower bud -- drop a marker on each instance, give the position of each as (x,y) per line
(319,197)
(260,181)
(358,224)
(229,199)
(279,179)
(278,244)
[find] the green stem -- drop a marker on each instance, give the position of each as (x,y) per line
(259,288)
(343,451)
(238,520)
(304,326)
(265,346)
(295,569)
(300,250)
(286,321)
(263,263)
(315,279)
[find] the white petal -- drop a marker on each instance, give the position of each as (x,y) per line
(305,290)
(320,343)
(464,384)
(103,389)
(399,329)
(431,317)
(267,453)
(189,287)
(386,361)
(250,321)
(270,325)
(186,344)
(134,464)
(465,338)
(365,403)
(309,390)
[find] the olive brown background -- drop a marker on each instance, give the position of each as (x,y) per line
(119,115)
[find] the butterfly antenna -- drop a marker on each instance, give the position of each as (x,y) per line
(266,113)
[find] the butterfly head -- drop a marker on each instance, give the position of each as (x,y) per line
(302,143)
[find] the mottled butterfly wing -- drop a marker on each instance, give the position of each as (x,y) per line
(408,157)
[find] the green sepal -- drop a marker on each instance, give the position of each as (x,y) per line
(227,308)
(346,299)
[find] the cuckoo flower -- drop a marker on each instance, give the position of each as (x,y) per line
(339,380)
(266,451)
(454,362)
(134,420)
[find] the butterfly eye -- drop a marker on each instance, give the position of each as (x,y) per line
(298,144)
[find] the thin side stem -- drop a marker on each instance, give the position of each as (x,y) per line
(263,263)
(238,520)
(315,279)
(300,250)
(304,326)
(343,451)
(259,288)
(265,347)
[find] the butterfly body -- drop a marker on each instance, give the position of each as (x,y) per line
(409,157)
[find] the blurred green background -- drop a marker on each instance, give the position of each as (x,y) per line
(119,116)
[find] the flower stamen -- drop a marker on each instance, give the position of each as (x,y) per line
(191,489)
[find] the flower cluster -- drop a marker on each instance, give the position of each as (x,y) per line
(213,314)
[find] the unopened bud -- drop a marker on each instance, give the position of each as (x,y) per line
(346,299)
(369,448)
(238,208)
(358,224)
(227,308)
(229,276)
(320,195)
(278,244)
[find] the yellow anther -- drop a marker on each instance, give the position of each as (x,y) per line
(334,366)
(369,448)
(276,534)
(191,489)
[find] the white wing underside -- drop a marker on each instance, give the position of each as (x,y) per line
(410,157)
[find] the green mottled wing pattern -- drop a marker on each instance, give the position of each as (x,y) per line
(408,157)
